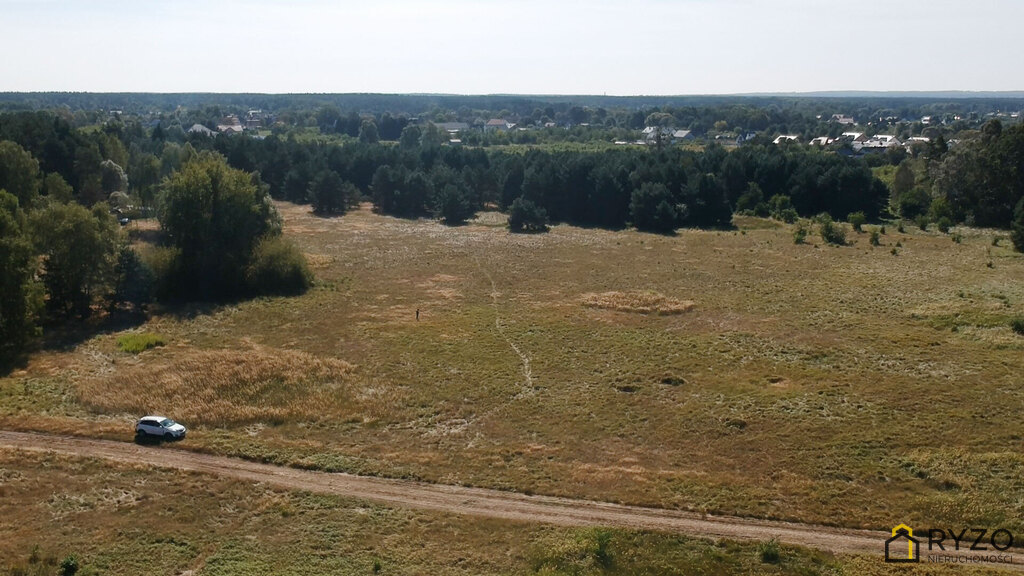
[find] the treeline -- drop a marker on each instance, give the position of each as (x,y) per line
(63,254)
(699,188)
(980,182)
(463,106)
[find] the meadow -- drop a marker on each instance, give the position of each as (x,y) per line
(126,520)
(728,372)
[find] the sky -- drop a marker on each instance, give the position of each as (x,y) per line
(614,47)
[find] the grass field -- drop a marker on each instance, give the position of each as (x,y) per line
(122,520)
(720,371)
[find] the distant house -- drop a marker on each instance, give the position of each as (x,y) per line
(455,142)
(821,141)
(747,137)
(843,119)
(452,127)
(200,129)
(877,143)
(499,125)
(853,137)
(680,135)
(785,138)
(230,124)
(655,134)
(254,119)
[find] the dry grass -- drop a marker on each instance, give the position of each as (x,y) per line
(638,301)
(120,520)
(226,387)
(834,385)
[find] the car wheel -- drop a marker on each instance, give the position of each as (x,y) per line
(168,436)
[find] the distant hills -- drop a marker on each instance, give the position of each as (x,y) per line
(524,104)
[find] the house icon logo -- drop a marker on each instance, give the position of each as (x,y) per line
(902,547)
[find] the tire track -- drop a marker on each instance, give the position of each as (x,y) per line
(471,501)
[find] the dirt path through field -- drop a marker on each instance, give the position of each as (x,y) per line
(467,501)
(527,388)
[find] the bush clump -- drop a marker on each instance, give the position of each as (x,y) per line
(831,232)
(944,224)
(800,234)
(278,267)
(770,551)
(857,220)
(1017,325)
(69,566)
(526,216)
(140,342)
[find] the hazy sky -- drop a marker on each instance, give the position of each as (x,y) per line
(504,46)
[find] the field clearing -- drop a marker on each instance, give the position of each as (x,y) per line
(731,372)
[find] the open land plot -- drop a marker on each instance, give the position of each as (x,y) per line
(122,519)
(728,372)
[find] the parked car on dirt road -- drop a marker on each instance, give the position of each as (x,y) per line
(160,427)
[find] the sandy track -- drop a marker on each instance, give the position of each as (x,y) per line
(467,501)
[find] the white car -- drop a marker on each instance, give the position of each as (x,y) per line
(160,427)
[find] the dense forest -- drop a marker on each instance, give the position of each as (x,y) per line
(67,178)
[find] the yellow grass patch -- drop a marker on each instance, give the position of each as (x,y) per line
(637,301)
(220,387)
(319,261)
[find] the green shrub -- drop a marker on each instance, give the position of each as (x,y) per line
(875,239)
(789,215)
(900,228)
(1017,325)
(800,234)
(69,566)
(525,216)
(857,220)
(278,267)
(831,232)
(140,342)
(770,551)
(944,224)
(921,221)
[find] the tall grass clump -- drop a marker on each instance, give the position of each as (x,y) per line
(770,551)
(140,342)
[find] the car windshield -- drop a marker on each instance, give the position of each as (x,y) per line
(167,422)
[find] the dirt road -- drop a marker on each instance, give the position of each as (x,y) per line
(469,501)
